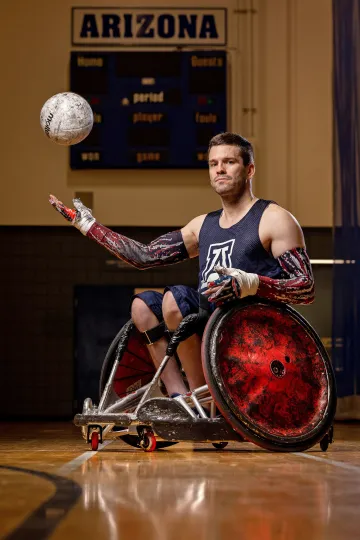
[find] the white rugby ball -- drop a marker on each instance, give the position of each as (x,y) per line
(66,118)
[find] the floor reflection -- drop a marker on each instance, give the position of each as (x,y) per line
(165,499)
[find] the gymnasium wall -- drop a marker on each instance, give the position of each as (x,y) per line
(280,98)
(280,70)
(41,269)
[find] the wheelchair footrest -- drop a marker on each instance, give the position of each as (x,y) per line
(162,410)
(171,422)
(103,418)
(199,430)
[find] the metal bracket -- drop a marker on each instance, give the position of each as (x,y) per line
(94,427)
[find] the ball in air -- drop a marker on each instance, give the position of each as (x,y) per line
(66,118)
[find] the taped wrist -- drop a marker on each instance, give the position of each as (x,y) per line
(84,224)
(83,218)
(240,284)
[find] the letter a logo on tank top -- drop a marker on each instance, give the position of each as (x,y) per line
(218,254)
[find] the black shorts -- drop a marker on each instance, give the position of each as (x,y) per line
(186,298)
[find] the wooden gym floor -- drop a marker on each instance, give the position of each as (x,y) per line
(52,486)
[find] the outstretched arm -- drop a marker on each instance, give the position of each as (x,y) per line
(170,248)
(296,286)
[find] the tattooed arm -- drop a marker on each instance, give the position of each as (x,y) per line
(170,248)
(297,286)
(286,243)
(281,233)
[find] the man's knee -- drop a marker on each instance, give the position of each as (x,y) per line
(171,312)
(142,316)
(146,322)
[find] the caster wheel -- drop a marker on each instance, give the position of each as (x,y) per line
(324,443)
(331,434)
(148,441)
(219,445)
(135,441)
(94,441)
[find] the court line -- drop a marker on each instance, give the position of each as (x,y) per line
(76,462)
(42,522)
(339,464)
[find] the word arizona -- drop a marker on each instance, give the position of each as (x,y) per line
(147,25)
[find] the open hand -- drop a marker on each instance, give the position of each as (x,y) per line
(80,216)
(67,213)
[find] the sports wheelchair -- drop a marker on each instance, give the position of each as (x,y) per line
(269,382)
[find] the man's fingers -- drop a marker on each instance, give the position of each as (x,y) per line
(210,291)
(68,213)
(217,292)
(53,200)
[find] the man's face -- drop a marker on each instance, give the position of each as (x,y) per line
(227,171)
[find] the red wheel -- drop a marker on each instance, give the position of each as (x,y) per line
(135,370)
(135,441)
(269,374)
(148,441)
(94,441)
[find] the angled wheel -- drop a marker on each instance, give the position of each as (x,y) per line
(269,374)
(136,369)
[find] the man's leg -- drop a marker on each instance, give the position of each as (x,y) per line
(144,320)
(189,351)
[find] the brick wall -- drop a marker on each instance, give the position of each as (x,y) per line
(39,268)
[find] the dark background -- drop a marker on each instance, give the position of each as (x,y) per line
(53,310)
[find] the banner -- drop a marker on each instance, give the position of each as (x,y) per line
(148,26)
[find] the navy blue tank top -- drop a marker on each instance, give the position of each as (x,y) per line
(238,246)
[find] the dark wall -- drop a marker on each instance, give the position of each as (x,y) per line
(41,267)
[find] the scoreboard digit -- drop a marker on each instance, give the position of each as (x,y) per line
(151,109)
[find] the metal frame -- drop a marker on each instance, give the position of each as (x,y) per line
(111,411)
(142,422)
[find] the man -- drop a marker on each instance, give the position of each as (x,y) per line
(255,246)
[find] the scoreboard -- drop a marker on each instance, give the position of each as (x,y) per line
(151,109)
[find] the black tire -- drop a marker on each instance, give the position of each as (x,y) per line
(324,443)
(220,445)
(110,356)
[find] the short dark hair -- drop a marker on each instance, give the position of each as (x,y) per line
(233,139)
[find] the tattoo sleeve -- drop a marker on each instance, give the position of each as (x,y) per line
(167,249)
(297,286)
